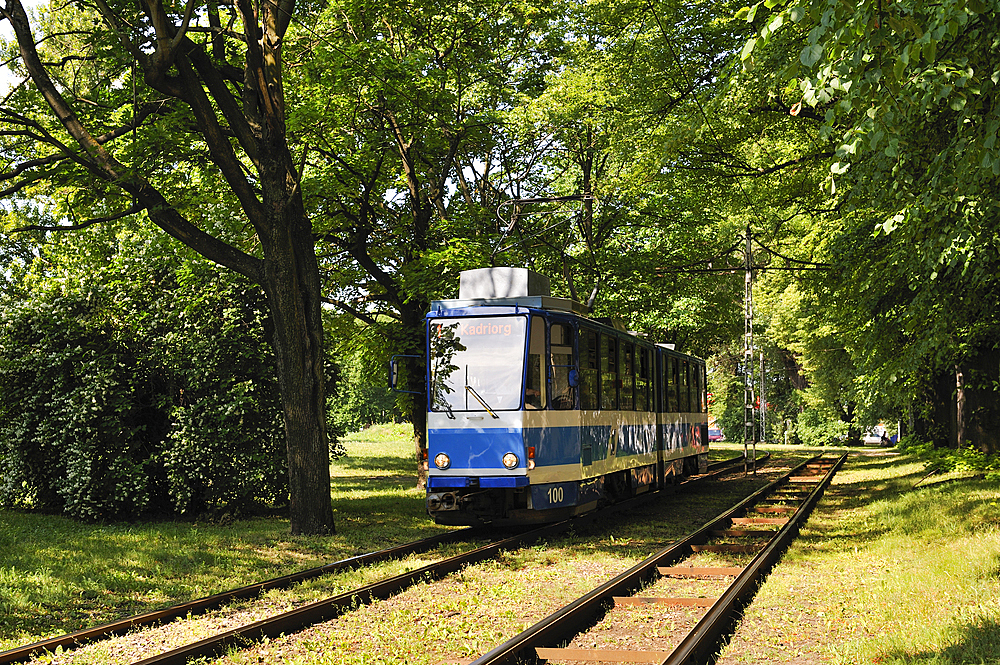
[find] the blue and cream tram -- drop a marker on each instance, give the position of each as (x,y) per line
(536,412)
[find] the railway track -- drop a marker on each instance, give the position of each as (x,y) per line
(329,608)
(766,513)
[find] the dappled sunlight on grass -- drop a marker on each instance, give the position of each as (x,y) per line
(890,568)
(58,575)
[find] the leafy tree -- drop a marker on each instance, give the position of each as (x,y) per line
(137,382)
(606,131)
(904,95)
(362,397)
(178,114)
(400,110)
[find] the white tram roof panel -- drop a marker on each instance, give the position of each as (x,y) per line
(533,302)
(491,283)
(506,287)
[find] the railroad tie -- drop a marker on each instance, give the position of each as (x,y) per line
(677,602)
(604,655)
(774,509)
(759,520)
(699,573)
(729,548)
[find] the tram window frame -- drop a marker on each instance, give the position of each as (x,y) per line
(642,379)
(684,387)
(626,375)
(609,372)
(696,391)
(672,384)
(562,394)
(661,382)
(534,366)
(590,369)
(704,388)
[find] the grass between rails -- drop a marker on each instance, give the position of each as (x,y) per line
(462,617)
(58,575)
(919,587)
(886,571)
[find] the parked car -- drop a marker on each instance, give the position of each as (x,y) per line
(715,434)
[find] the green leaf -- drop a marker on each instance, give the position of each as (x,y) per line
(897,68)
(811,54)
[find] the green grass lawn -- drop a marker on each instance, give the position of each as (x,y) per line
(58,575)
(884,572)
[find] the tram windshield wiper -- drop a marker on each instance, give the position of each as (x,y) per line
(486,406)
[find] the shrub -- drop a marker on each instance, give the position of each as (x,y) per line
(145,387)
(968,459)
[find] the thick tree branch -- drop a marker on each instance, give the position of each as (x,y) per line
(64,152)
(356,313)
(135,208)
(102,165)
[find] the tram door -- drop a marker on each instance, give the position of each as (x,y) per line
(562,364)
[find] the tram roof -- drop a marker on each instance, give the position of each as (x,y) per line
(487,306)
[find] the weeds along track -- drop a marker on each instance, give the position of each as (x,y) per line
(706,579)
(201,605)
(323,610)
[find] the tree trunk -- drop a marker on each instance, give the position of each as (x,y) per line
(291,283)
(959,422)
(412,317)
(982,408)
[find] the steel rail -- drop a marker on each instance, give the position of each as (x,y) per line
(201,605)
(122,626)
(564,624)
(701,643)
(330,608)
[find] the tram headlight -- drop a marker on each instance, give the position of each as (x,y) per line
(510,460)
(442,461)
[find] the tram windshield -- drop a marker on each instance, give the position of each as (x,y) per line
(477,363)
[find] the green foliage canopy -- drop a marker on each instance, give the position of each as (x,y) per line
(137,382)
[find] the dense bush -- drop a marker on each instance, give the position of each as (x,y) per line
(967,460)
(145,386)
(816,428)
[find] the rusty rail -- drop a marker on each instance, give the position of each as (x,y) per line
(321,610)
(581,614)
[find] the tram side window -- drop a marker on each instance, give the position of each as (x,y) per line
(672,381)
(642,380)
(609,372)
(561,349)
(684,389)
(696,398)
(704,389)
(590,377)
(534,386)
(628,376)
